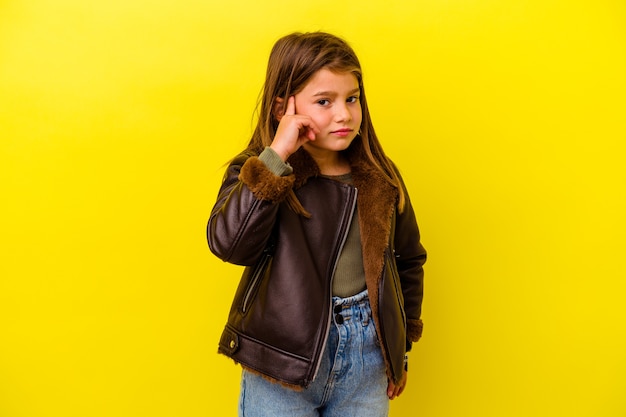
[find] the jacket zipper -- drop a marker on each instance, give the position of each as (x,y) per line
(353,195)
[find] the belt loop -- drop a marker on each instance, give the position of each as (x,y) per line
(365,314)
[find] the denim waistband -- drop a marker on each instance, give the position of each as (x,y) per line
(357,306)
(352,300)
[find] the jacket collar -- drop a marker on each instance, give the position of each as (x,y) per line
(364,174)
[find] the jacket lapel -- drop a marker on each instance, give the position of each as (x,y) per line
(376,201)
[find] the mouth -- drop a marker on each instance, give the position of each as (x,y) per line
(342,132)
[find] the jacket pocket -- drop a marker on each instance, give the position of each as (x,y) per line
(256,276)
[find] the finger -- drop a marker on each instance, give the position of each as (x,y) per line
(291,106)
(402,385)
(399,389)
(393,390)
(312,131)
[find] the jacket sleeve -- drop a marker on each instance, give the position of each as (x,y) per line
(244,214)
(410,258)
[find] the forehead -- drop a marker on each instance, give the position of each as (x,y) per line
(325,80)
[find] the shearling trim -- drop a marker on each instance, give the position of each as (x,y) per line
(376,202)
(263,183)
(414,329)
(270,379)
(273,380)
(304,167)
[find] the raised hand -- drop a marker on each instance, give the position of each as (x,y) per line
(293,131)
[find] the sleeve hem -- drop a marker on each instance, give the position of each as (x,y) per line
(274,163)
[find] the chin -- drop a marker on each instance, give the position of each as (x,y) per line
(347,144)
(338,147)
(335,145)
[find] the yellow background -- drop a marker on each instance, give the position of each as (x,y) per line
(507,119)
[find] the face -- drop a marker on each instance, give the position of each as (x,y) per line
(331,100)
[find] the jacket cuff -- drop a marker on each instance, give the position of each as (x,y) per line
(414,329)
(264,184)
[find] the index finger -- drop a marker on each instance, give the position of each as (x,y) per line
(291,106)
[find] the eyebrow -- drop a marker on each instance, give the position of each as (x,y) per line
(332,93)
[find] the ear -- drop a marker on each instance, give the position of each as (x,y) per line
(278,109)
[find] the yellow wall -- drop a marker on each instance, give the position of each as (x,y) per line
(506,117)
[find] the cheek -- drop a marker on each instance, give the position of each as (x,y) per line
(320,118)
(358,116)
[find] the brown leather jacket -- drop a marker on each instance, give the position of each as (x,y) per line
(281,313)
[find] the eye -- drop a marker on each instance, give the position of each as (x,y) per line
(323,102)
(353,99)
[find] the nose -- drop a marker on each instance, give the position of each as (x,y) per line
(342,113)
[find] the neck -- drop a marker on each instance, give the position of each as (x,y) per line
(329,162)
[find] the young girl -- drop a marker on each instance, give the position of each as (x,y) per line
(330,299)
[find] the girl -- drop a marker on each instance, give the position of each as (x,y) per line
(330,299)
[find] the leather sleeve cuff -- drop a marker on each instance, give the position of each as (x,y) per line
(264,184)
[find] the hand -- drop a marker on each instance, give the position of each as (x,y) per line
(293,131)
(394,390)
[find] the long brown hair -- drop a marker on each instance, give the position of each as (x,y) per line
(294,59)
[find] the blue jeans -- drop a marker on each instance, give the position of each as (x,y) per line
(351,380)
